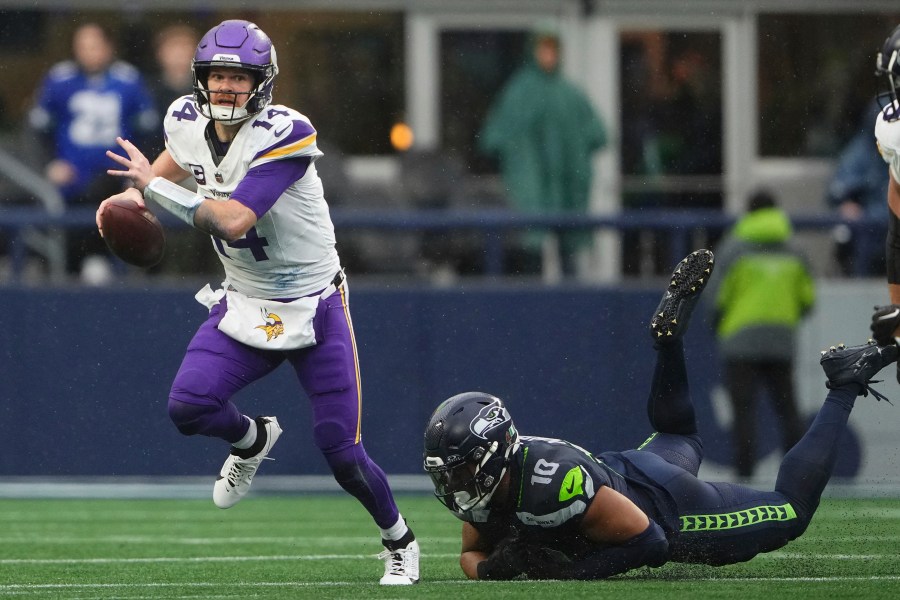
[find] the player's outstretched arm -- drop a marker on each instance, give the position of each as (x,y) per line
(626,539)
(474,551)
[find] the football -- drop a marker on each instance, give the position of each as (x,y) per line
(133,234)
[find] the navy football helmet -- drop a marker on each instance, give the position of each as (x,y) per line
(887,64)
(469,442)
(240,44)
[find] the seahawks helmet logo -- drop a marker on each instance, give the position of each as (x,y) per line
(488,418)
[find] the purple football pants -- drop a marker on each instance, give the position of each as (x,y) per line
(215,367)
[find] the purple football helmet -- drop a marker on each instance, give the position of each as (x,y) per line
(240,44)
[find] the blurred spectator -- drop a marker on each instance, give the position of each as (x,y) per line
(82,105)
(175,46)
(763,288)
(858,190)
(544,131)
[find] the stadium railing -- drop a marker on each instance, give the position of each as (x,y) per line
(34,233)
(679,227)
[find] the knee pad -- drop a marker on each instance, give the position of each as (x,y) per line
(190,419)
(333,436)
(189,402)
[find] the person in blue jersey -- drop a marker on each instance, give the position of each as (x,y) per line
(82,106)
(285,297)
(543,508)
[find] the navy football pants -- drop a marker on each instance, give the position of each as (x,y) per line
(724,523)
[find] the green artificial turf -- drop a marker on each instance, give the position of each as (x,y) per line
(324,546)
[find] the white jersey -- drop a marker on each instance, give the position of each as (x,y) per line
(887,135)
(290,252)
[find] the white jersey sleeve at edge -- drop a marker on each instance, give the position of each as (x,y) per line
(887,136)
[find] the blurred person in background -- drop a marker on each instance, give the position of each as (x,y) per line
(857,190)
(545,132)
(174,50)
(763,290)
(82,106)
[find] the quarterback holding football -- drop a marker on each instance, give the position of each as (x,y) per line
(284,297)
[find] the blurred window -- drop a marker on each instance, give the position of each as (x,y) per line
(475,65)
(347,76)
(671,118)
(343,69)
(816,77)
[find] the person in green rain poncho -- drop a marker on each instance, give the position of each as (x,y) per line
(544,131)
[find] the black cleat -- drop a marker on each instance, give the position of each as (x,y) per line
(671,318)
(857,364)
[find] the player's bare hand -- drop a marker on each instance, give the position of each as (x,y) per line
(129,194)
(137,166)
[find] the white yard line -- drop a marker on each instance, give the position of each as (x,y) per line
(303,584)
(196,559)
(314,557)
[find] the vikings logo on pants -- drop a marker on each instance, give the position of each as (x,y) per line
(273,327)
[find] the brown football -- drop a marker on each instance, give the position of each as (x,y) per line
(133,234)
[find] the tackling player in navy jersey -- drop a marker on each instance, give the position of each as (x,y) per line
(548,509)
(284,297)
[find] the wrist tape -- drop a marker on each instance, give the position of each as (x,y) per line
(179,201)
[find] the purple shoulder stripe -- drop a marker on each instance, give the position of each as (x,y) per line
(299,131)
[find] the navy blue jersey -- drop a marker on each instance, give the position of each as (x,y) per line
(553,482)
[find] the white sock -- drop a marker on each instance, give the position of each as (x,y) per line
(395,531)
(249,437)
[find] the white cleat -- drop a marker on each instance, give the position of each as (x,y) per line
(401,566)
(237,473)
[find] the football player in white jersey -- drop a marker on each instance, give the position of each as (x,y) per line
(261,201)
(886,320)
